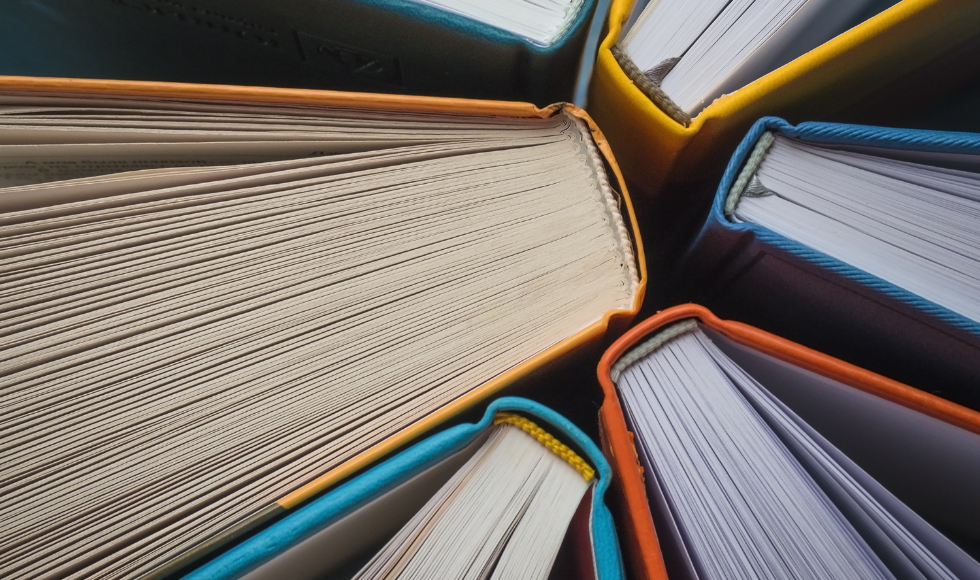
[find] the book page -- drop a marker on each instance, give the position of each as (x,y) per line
(747,481)
(182,347)
(908,224)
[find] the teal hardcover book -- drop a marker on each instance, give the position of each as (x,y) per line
(855,240)
(502,49)
(519,493)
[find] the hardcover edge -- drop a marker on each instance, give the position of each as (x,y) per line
(315,516)
(840,134)
(629,114)
(617,440)
(726,105)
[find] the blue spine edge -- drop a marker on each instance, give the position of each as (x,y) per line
(590,52)
(842,134)
(592,11)
(323,511)
(451,20)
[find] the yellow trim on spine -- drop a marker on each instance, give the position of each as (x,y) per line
(656,153)
(546,439)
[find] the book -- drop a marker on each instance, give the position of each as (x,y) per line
(878,57)
(695,52)
(518,493)
(760,456)
(864,234)
(521,50)
(220,301)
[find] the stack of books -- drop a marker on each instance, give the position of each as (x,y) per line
(349,289)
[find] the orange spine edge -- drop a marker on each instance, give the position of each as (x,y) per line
(269,95)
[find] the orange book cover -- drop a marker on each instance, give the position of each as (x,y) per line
(642,550)
(591,338)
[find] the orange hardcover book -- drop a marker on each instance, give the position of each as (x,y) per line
(919,447)
(222,300)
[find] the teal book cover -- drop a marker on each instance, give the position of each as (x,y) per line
(388,46)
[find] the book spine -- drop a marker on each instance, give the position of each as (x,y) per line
(649,84)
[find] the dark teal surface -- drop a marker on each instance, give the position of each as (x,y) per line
(391,46)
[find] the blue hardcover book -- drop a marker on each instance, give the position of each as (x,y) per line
(502,49)
(518,494)
(862,242)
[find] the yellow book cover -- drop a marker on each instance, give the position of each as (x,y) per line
(653,148)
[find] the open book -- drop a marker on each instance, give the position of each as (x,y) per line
(910,223)
(518,494)
(760,466)
(867,235)
(210,307)
(866,71)
(502,515)
(694,51)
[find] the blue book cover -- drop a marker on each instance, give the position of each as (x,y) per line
(317,538)
(389,46)
(750,273)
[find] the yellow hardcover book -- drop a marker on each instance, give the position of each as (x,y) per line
(654,148)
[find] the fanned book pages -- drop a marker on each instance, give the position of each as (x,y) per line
(694,51)
(504,514)
(541,22)
(205,307)
(741,485)
(503,497)
(913,224)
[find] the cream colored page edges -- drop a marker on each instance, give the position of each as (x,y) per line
(508,509)
(611,200)
(267,352)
